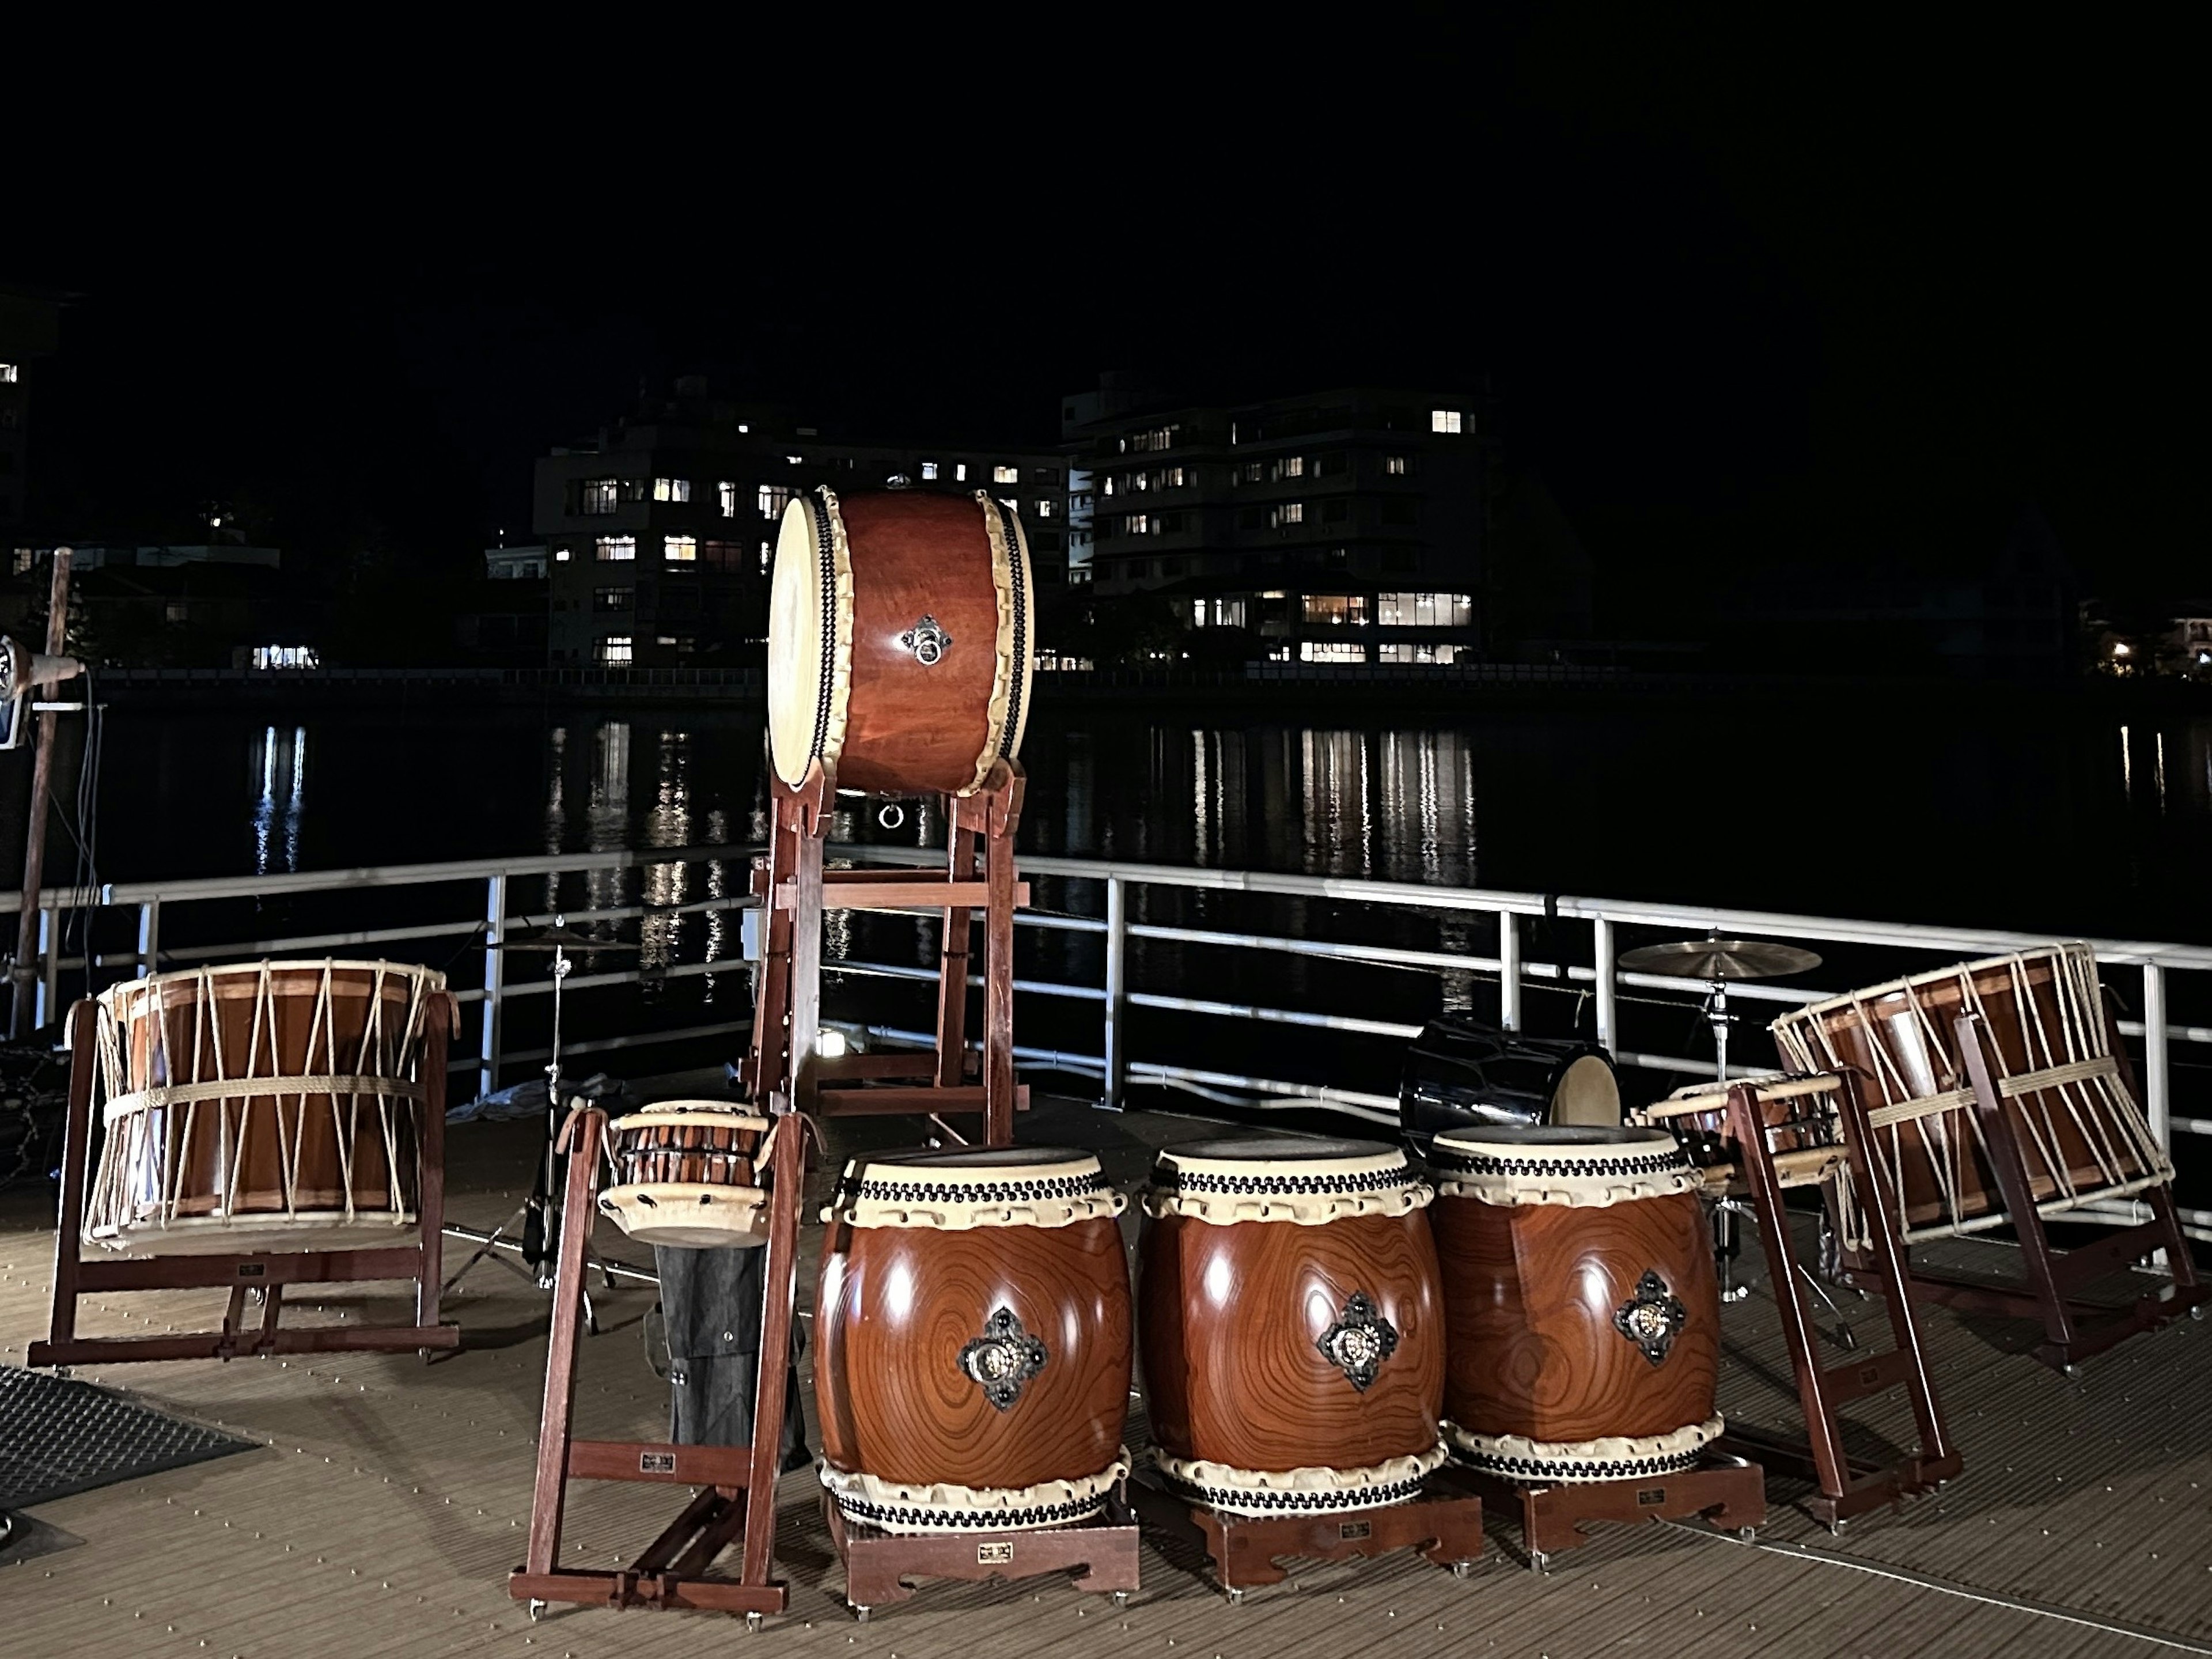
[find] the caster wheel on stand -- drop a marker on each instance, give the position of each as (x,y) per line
(753,1622)
(1235,1597)
(537,1610)
(1538,1561)
(860,1612)
(1462,1569)
(1120,1598)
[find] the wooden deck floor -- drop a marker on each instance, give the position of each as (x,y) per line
(393,1499)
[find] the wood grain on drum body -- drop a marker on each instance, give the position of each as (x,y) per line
(1530,1292)
(1232,1319)
(218,1038)
(911,726)
(896,1307)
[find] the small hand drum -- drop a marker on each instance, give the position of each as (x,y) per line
(685,1173)
(1797,1114)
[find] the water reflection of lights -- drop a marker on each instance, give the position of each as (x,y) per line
(556,810)
(280,763)
(668,824)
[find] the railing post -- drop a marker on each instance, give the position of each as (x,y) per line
(1602,955)
(1509,970)
(494,978)
(149,936)
(1117,991)
(50,965)
(2157,1073)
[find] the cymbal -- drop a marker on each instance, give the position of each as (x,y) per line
(558,938)
(1720,959)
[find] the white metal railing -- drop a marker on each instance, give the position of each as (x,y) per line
(489,913)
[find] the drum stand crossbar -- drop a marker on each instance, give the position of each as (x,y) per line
(1101,1553)
(1443,1520)
(794,889)
(1729,1492)
(248,1275)
(2074,1328)
(736,1498)
(1847,1486)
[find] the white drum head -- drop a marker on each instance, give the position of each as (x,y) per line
(1589,1095)
(810,624)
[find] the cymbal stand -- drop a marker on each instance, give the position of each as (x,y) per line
(544,1199)
(1727,1241)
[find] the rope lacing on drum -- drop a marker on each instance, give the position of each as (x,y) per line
(1452,1161)
(1176,1179)
(1040,1188)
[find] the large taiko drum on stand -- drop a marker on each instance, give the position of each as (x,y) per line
(1579,1292)
(274,1106)
(1292,1324)
(901,628)
(2050,1052)
(974,1323)
(687,1173)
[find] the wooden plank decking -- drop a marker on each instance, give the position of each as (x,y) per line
(392,1499)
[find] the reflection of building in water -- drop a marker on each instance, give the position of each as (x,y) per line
(1339,830)
(557,809)
(668,824)
(718,887)
(280,769)
(607,815)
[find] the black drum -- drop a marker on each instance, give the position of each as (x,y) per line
(1461,1074)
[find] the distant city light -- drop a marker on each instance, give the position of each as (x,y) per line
(285,656)
(2120,648)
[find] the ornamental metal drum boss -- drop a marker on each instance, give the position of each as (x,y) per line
(1292,1325)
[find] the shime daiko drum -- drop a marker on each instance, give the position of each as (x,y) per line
(2051,1054)
(1292,1324)
(270,1106)
(974,1323)
(1579,1292)
(684,1172)
(901,626)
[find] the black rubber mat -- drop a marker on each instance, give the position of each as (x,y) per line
(57,1437)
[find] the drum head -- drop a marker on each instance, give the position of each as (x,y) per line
(1544,1137)
(1589,1095)
(979,1157)
(808,673)
(1276,1149)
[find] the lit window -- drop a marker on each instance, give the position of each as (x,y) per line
(9,374)
(683,549)
(1410,652)
(1160,437)
(560,555)
(177,611)
(1337,610)
(928,472)
(1330,651)
(671,489)
(796,460)
(615,648)
(1252,472)
(1171,477)
(285,656)
(611,598)
(600,495)
(1395,466)
(1288,512)
(1291,466)
(1424,609)
(1445,420)
(729,494)
(960,472)
(1044,509)
(616,548)
(1218,613)
(768,555)
(774,498)
(1141,524)
(1006,475)
(742,427)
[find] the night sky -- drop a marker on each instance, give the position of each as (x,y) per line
(1741,286)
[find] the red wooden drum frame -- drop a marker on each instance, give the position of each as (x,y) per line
(974,1323)
(267,1106)
(2085,1137)
(686,1173)
(1579,1293)
(901,628)
(1292,1325)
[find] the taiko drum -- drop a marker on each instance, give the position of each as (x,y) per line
(901,628)
(1292,1324)
(973,1319)
(685,1173)
(1579,1293)
(264,1106)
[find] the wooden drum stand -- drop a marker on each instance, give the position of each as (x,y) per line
(247,1275)
(1757,1174)
(793,1083)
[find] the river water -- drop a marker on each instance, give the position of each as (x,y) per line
(2068,822)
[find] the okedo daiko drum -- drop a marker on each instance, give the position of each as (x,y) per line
(1292,1325)
(2051,1053)
(1578,1288)
(973,1319)
(268,1106)
(900,628)
(686,1173)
